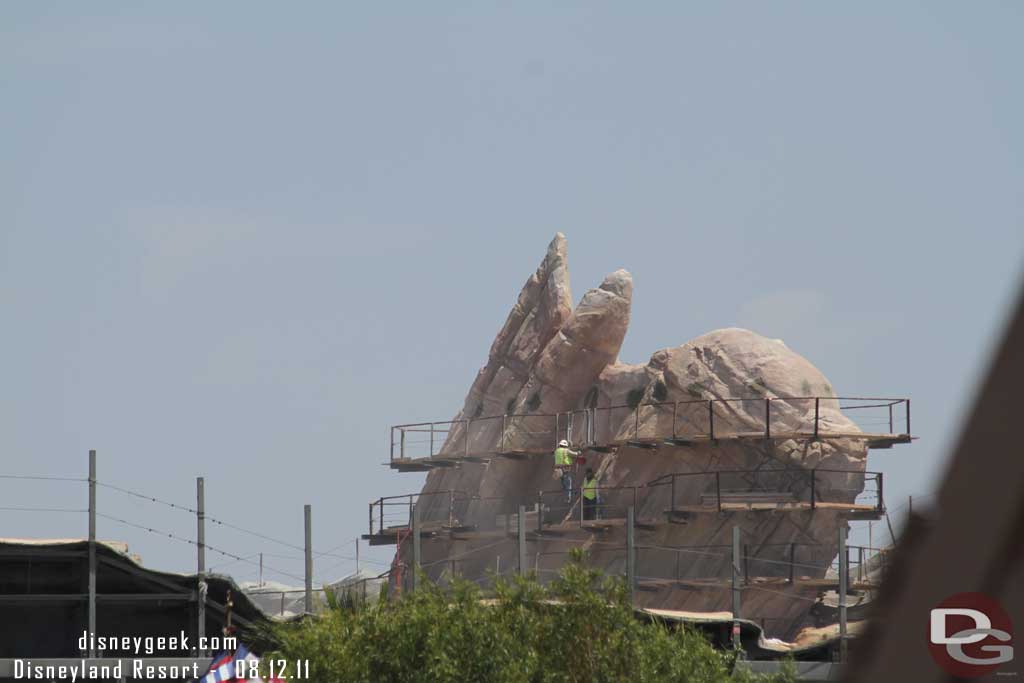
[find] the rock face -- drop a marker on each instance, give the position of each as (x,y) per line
(552,358)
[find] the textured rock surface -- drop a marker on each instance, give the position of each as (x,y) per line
(549,358)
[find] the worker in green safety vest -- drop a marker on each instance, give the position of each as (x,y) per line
(589,495)
(564,458)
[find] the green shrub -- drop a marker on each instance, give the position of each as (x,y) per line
(579,628)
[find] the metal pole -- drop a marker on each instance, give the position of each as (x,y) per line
(844,568)
(908,417)
(201,555)
(711,420)
(736,587)
(630,554)
(792,562)
(813,479)
(416,546)
(521,540)
(308,514)
(890,418)
(767,418)
(817,404)
(92,549)
(860,563)
(401,448)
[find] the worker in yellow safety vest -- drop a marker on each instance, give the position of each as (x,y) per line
(564,458)
(589,495)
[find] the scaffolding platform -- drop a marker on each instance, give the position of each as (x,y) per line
(856,511)
(653,584)
(880,423)
(390,535)
(425,464)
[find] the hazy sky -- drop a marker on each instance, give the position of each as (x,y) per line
(239,240)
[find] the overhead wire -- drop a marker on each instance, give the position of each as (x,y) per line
(40,477)
(207,546)
(15,508)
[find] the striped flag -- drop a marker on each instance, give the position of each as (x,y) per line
(240,665)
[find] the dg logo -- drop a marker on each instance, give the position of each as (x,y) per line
(970,635)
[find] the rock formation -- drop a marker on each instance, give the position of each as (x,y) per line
(552,358)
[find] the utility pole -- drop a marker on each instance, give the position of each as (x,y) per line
(92,551)
(736,587)
(308,513)
(201,559)
(521,542)
(416,546)
(630,553)
(844,570)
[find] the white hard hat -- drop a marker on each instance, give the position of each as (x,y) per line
(563,443)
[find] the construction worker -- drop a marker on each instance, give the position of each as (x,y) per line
(589,495)
(564,458)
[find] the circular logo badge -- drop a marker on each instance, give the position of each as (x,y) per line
(970,635)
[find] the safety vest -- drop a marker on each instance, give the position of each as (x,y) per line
(562,457)
(590,489)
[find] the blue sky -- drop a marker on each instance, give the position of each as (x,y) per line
(239,240)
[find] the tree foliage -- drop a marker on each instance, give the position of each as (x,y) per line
(579,628)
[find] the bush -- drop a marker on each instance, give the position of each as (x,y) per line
(578,628)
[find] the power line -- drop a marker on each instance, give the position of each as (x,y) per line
(40,477)
(147,497)
(159,532)
(33,509)
(208,518)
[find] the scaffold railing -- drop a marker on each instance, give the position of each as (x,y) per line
(882,422)
(672,494)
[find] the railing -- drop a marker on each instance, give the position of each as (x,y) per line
(677,492)
(790,561)
(611,503)
(707,566)
(396,512)
(723,489)
(671,421)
